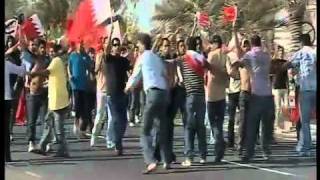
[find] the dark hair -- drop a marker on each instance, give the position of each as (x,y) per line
(216,39)
(40,42)
(164,39)
(115,39)
(255,40)
(180,41)
(12,39)
(192,43)
(91,50)
(56,47)
(246,42)
(198,38)
(305,40)
(145,39)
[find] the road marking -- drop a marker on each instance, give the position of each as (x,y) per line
(263,169)
(33,174)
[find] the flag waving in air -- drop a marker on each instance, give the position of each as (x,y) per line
(91,22)
(32,27)
(195,61)
(230,14)
(203,19)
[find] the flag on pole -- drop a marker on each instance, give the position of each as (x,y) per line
(203,19)
(230,14)
(91,22)
(32,27)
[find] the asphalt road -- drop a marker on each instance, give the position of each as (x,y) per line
(98,163)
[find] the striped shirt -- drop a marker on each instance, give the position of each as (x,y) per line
(193,83)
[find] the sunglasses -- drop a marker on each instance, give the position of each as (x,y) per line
(115,45)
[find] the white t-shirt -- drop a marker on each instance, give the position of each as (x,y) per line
(11,68)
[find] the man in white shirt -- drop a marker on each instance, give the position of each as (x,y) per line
(10,68)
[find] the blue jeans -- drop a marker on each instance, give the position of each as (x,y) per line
(118,108)
(196,109)
(155,120)
(261,108)
(307,100)
(216,111)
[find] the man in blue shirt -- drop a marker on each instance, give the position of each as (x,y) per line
(304,61)
(79,64)
(155,84)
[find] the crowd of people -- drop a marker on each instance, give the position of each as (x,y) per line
(148,83)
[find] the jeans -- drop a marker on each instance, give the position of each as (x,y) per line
(196,109)
(118,108)
(155,114)
(34,103)
(233,104)
(216,111)
(91,97)
(307,102)
(7,107)
(54,121)
(244,98)
(134,105)
(142,102)
(81,107)
(280,100)
(101,114)
(261,108)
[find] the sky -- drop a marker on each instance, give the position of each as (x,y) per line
(144,11)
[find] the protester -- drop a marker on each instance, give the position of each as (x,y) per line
(152,69)
(58,104)
(305,61)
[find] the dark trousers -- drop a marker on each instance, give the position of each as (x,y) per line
(261,108)
(91,97)
(196,109)
(232,106)
(244,98)
(154,118)
(177,100)
(34,104)
(7,107)
(54,123)
(142,102)
(216,112)
(134,108)
(118,108)
(81,108)
(13,111)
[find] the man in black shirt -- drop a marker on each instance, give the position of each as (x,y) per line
(116,68)
(279,86)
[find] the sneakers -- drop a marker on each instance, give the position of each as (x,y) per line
(186,163)
(83,135)
(304,154)
(131,124)
(48,147)
(202,161)
(137,119)
(110,145)
(93,141)
(75,130)
(212,141)
(32,147)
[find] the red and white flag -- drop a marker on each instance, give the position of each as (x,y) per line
(195,61)
(230,14)
(32,27)
(91,22)
(203,19)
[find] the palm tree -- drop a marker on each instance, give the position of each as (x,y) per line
(254,15)
(297,10)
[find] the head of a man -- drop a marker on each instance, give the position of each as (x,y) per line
(144,42)
(181,47)
(256,41)
(246,45)
(42,47)
(92,53)
(115,43)
(305,40)
(32,46)
(10,41)
(280,52)
(165,46)
(80,46)
(216,42)
(51,52)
